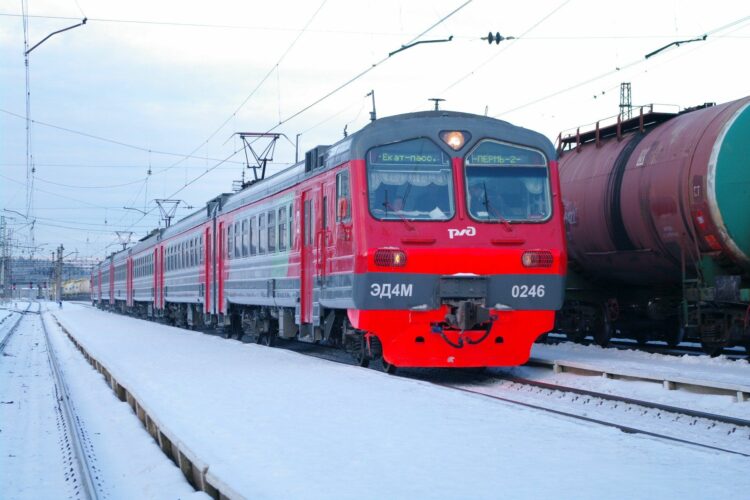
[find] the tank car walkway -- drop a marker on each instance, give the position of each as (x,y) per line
(264,422)
(698,372)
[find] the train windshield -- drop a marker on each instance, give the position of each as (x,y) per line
(507,183)
(410,180)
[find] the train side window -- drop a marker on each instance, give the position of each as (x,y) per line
(271,231)
(262,233)
(253,235)
(191,253)
(245,244)
(200,250)
(343,193)
(237,241)
(282,229)
(324,212)
(308,222)
(229,245)
(290,214)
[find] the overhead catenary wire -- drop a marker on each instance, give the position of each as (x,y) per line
(103,139)
(209,25)
(367,70)
(283,29)
(506,47)
(252,92)
(619,69)
(304,109)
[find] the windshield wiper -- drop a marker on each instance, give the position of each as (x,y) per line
(493,211)
(388,206)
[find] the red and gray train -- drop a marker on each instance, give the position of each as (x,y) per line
(431,239)
(657,212)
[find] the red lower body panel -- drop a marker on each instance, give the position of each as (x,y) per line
(410,338)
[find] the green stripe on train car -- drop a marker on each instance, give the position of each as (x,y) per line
(733,180)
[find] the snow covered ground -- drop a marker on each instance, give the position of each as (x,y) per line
(277,424)
(35,459)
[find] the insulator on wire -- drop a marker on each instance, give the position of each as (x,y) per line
(497,38)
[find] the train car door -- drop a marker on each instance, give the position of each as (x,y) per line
(155,284)
(220,256)
(129,282)
(206,241)
(111,283)
(307,262)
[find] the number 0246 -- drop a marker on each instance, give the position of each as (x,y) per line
(525,291)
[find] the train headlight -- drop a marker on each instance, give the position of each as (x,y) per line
(455,138)
(390,257)
(537,258)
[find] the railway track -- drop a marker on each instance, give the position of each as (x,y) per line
(79,451)
(683,425)
(12,329)
(633,416)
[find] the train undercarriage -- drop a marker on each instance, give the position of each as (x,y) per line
(714,325)
(264,325)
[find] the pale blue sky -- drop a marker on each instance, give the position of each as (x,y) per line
(168,88)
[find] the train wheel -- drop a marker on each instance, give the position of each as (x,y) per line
(603,333)
(388,368)
(713,349)
(675,337)
(267,339)
(359,352)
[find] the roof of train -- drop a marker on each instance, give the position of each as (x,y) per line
(382,131)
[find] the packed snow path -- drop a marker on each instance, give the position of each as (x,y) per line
(36,459)
(274,423)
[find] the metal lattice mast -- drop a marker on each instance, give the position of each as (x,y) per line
(626,101)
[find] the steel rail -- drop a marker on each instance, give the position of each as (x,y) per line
(623,399)
(624,428)
(73,423)
(310,350)
(13,329)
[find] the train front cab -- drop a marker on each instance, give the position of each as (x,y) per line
(461,259)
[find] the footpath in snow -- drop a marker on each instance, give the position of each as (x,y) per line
(277,424)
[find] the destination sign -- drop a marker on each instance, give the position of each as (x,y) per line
(496,153)
(414,152)
(490,159)
(386,157)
